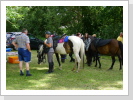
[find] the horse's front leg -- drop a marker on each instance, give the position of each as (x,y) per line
(57,57)
(99,62)
(44,58)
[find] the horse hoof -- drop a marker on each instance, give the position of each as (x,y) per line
(73,69)
(60,68)
(89,65)
(109,69)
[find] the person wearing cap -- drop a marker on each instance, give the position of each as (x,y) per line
(22,42)
(50,53)
(120,37)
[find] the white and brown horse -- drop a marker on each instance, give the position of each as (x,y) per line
(71,44)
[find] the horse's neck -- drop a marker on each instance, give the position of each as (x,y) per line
(41,48)
(45,40)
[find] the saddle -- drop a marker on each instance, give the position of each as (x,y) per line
(100,42)
(59,39)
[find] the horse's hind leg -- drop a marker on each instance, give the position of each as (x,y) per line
(57,57)
(74,68)
(77,62)
(120,60)
(113,61)
(96,62)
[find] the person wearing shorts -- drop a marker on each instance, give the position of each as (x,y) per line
(50,53)
(22,42)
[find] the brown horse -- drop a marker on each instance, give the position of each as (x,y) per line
(112,48)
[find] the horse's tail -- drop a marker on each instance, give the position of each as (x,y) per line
(82,52)
(121,48)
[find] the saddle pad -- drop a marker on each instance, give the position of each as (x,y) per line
(63,40)
(66,39)
(101,42)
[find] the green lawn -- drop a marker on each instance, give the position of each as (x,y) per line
(89,78)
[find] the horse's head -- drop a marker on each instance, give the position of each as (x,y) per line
(40,54)
(40,59)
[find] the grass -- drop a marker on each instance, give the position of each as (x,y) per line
(89,78)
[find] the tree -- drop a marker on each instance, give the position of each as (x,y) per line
(105,21)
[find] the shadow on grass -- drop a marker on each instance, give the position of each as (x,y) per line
(89,78)
(93,79)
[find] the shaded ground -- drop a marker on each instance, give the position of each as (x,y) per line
(89,78)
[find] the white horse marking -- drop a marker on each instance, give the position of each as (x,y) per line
(60,48)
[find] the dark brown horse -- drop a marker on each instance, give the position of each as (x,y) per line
(112,48)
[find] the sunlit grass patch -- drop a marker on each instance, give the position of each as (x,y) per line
(89,78)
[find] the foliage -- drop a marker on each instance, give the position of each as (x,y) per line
(105,21)
(14,17)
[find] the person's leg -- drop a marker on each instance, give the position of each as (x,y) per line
(27,69)
(21,67)
(20,61)
(27,59)
(27,66)
(50,62)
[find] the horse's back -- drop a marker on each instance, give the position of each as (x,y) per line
(109,49)
(76,41)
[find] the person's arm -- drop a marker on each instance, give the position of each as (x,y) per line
(49,42)
(48,45)
(28,44)
(16,46)
(14,43)
(28,47)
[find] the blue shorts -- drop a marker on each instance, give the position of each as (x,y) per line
(24,55)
